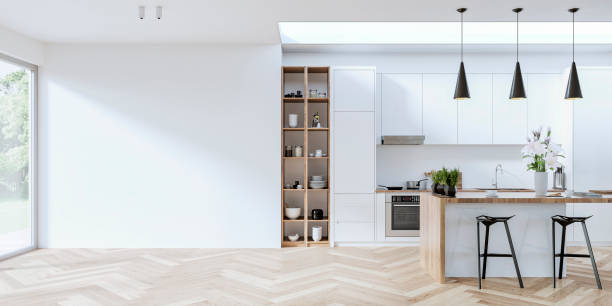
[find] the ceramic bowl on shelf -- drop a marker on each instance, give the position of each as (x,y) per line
(317,178)
(292,212)
(294,237)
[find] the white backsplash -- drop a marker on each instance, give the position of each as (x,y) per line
(397,164)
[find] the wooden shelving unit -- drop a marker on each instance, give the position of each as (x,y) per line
(305,78)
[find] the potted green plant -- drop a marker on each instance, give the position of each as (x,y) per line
(450,188)
(439,178)
(434,181)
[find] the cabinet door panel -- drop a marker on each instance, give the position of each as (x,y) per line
(354,152)
(354,88)
(509,116)
(354,208)
(475,115)
(545,103)
(439,109)
(354,232)
(592,126)
(401,109)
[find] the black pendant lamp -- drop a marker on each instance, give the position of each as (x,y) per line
(461,89)
(517,91)
(573,91)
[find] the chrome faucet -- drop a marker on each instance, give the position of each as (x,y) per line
(498,168)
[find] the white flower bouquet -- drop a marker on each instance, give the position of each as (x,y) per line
(541,153)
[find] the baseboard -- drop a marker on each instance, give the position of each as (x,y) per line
(378,244)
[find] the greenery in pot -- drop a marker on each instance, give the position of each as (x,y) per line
(441,176)
(435,181)
(451,181)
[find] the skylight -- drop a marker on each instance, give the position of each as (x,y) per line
(443,32)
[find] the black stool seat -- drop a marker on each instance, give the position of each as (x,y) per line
(564,221)
(487,221)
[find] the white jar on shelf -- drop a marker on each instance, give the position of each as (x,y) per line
(317,233)
(293,120)
(298,151)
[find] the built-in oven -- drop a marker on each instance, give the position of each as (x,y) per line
(402,215)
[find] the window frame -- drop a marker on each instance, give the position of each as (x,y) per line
(33,166)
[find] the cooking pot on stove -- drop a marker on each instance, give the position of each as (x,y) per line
(415,184)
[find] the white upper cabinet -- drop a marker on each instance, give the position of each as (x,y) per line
(475,114)
(354,88)
(354,152)
(401,104)
(592,125)
(509,116)
(439,109)
(545,103)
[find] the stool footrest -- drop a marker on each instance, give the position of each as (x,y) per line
(496,255)
(573,255)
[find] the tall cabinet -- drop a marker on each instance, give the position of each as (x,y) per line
(353,153)
(305,92)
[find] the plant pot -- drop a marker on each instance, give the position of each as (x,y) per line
(450,190)
(440,189)
(540,183)
(434,188)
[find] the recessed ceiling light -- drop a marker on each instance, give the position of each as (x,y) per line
(141,12)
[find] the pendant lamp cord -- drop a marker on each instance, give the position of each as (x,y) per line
(573,34)
(462,37)
(517,37)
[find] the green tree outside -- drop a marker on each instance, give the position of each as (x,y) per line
(14,134)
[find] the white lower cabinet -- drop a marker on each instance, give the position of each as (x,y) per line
(354,217)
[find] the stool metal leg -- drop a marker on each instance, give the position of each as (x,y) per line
(562,252)
(478,253)
(553,255)
(486,252)
(588,243)
(518,271)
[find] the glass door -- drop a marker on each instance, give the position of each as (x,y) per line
(17,101)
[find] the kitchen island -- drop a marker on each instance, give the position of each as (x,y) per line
(448,232)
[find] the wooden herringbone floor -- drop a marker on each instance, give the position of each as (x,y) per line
(314,276)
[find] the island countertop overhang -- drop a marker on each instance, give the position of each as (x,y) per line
(517,197)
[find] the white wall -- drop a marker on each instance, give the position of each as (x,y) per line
(396,164)
(160,146)
(21,47)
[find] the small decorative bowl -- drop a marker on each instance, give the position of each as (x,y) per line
(294,237)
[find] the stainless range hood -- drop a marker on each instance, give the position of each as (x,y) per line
(403,140)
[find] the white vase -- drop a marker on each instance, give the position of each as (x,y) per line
(540,183)
(293,120)
(317,233)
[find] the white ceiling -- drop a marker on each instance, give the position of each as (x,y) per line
(249,21)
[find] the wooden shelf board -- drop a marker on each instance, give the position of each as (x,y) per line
(324,240)
(293,157)
(318,129)
(321,189)
(322,157)
(325,219)
(293,100)
(285,189)
(293,69)
(299,219)
(318,69)
(293,129)
(318,100)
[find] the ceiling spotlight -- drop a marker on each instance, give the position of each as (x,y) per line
(141,12)
(158,12)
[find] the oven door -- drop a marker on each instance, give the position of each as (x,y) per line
(402,219)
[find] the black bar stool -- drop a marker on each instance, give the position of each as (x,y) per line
(564,222)
(488,221)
